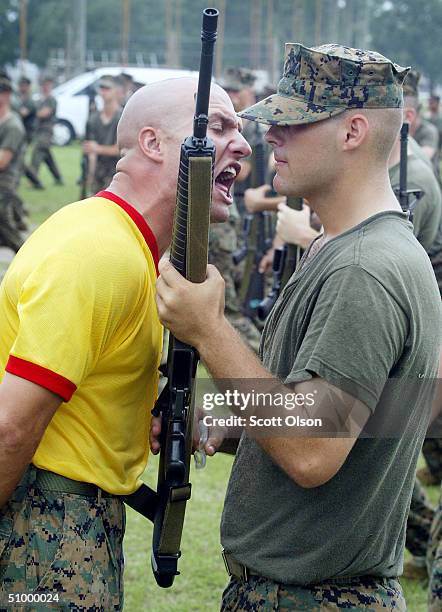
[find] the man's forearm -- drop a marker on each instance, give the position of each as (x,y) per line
(107,150)
(14,459)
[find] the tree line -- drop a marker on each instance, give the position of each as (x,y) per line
(252,32)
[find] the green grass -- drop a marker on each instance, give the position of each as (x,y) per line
(202,578)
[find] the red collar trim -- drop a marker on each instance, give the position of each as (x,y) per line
(139,221)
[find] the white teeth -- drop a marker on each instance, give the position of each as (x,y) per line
(231,170)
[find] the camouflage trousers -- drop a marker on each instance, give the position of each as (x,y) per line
(432,451)
(42,153)
(365,593)
(420,518)
(222,245)
(434,562)
(62,545)
(11,218)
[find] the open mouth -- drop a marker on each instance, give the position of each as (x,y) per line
(225,179)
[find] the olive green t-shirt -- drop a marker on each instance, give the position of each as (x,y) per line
(363,311)
(45,126)
(104,134)
(427,217)
(12,137)
(427,135)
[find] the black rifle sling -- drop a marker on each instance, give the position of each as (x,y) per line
(200,192)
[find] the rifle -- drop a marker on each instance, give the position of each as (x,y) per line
(285,262)
(84,176)
(189,256)
(257,235)
(408,198)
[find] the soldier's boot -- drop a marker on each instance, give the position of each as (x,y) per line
(32,177)
(416,569)
(426,477)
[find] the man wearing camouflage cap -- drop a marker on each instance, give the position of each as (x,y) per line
(318,522)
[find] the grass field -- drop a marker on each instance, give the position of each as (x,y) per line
(203,577)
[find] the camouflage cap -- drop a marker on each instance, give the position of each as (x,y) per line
(235,79)
(320,82)
(411,84)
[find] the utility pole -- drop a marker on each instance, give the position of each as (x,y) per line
(298,20)
(271,43)
(23,30)
(255,33)
(318,22)
(220,43)
(81,52)
(172,29)
(334,21)
(125,33)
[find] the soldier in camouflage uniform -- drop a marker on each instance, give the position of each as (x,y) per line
(434,562)
(12,138)
(224,237)
(26,107)
(46,111)
(317,523)
(101,136)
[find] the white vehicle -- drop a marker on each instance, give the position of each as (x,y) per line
(73,96)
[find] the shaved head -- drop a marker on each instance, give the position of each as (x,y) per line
(165,105)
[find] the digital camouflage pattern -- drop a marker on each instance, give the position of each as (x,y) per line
(222,245)
(432,452)
(320,82)
(411,83)
(64,544)
(419,522)
(11,218)
(261,595)
(434,562)
(235,79)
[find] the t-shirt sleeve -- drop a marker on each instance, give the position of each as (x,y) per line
(67,309)
(355,336)
(13,139)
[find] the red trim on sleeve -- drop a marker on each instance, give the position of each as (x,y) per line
(41,376)
(139,221)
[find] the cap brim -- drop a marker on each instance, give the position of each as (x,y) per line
(284,111)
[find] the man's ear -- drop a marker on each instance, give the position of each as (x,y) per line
(410,115)
(149,140)
(356,128)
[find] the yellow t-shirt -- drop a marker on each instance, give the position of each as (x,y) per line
(78,317)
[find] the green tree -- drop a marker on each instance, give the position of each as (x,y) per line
(408,31)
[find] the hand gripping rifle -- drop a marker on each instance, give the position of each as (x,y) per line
(285,261)
(189,256)
(408,198)
(257,232)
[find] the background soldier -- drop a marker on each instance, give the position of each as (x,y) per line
(425,133)
(46,111)
(224,236)
(101,131)
(12,136)
(27,109)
